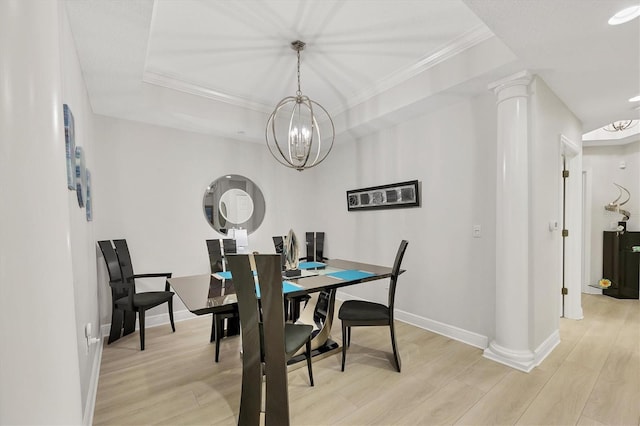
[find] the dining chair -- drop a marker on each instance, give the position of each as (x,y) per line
(218,250)
(315,247)
(361,313)
(126,301)
(266,338)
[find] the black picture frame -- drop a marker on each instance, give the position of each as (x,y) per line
(391,196)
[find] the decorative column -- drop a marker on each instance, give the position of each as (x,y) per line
(512,331)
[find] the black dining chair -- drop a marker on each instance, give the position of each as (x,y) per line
(361,313)
(218,250)
(315,247)
(265,338)
(126,301)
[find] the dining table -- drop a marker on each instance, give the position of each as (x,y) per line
(316,284)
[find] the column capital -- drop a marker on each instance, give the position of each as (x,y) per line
(515,85)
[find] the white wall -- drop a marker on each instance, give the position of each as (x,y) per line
(82,240)
(39,365)
(450,278)
(602,165)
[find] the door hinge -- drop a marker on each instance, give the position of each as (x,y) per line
(565,173)
(565,232)
(565,291)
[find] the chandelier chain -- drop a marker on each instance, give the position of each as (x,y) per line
(299,92)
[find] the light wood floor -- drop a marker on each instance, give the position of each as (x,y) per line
(591,378)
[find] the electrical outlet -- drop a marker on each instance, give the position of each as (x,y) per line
(477,231)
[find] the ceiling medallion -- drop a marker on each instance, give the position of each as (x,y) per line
(293,132)
(619,126)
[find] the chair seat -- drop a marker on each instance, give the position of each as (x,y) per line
(295,336)
(361,310)
(147,299)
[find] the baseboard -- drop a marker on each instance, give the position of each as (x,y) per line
(447,330)
(90,404)
(156,320)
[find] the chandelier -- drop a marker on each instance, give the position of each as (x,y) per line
(619,126)
(293,132)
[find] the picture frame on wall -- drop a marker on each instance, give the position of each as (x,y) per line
(395,195)
(70,146)
(88,203)
(81,176)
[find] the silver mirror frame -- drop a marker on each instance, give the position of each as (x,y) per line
(211,204)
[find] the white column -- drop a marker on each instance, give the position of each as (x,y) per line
(511,345)
(39,369)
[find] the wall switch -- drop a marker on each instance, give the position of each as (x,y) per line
(477,231)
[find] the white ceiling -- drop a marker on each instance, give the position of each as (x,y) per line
(219,66)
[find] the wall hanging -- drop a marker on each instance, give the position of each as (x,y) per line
(81,176)
(70,145)
(395,195)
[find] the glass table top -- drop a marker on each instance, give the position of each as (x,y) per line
(209,293)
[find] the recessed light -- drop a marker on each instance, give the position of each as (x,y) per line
(625,15)
(635,99)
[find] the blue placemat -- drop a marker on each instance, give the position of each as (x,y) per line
(287,287)
(310,265)
(351,274)
(226,275)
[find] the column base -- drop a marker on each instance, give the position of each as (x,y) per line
(522,360)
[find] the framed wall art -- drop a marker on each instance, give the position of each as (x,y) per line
(88,203)
(395,195)
(81,176)
(70,145)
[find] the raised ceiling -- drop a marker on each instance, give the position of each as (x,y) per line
(219,66)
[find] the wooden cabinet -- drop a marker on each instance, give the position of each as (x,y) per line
(620,264)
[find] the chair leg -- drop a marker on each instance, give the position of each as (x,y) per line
(141,318)
(213,328)
(173,326)
(129,325)
(117,318)
(394,345)
(344,343)
(308,356)
(219,330)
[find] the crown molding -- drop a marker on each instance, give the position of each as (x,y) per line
(466,41)
(175,83)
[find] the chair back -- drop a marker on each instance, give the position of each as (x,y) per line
(111,260)
(272,304)
(315,246)
(395,272)
(122,250)
(119,287)
(218,251)
(278,244)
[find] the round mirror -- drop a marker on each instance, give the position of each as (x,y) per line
(233,202)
